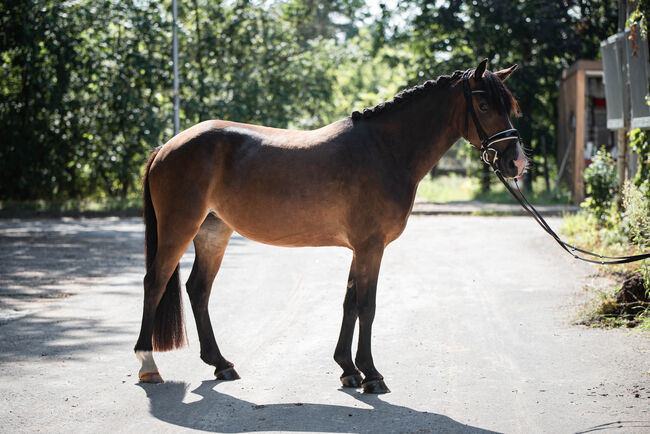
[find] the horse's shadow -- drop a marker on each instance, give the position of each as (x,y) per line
(218,412)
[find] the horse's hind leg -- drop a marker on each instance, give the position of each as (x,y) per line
(209,244)
(162,281)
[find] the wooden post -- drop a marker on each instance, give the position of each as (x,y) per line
(621,161)
(543,144)
(578,149)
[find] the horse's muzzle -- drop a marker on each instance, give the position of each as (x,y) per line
(512,162)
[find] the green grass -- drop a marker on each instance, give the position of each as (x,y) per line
(448,188)
(456,188)
(585,230)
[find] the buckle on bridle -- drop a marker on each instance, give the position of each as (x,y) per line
(485,155)
(488,151)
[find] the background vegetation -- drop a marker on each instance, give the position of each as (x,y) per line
(86,86)
(616,228)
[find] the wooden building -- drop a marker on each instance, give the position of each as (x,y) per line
(582,123)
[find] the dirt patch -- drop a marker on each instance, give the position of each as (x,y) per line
(625,307)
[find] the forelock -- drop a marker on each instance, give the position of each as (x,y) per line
(498,94)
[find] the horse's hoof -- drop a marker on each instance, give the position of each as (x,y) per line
(375,386)
(150,377)
(353,380)
(228,374)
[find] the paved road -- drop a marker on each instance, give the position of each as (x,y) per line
(473,333)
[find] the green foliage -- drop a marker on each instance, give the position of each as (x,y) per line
(81,96)
(365,79)
(600,183)
(249,64)
(85,92)
(638,20)
(636,222)
(616,233)
(640,143)
(635,218)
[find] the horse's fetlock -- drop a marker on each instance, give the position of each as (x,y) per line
(210,359)
(341,358)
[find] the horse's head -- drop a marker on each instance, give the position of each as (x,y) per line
(489,105)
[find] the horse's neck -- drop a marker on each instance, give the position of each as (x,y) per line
(420,132)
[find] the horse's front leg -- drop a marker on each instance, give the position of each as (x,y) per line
(367,261)
(343,354)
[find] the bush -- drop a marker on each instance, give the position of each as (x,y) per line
(613,233)
(600,183)
(640,143)
(636,223)
(636,215)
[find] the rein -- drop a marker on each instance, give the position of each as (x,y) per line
(489,155)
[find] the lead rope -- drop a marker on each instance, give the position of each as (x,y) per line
(571,249)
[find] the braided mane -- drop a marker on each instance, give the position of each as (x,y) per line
(407,95)
(497,94)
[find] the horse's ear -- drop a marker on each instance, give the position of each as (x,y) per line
(505,73)
(480,69)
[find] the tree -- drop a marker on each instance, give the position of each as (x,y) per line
(541,37)
(86,85)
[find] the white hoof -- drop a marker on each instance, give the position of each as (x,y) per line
(148,369)
(150,377)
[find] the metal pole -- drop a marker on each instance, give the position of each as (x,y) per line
(177,121)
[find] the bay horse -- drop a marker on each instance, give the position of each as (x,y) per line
(351,183)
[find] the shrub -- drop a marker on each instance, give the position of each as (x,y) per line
(600,183)
(635,221)
(640,143)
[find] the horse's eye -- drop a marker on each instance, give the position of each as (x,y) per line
(483,107)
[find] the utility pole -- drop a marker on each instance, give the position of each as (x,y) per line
(622,139)
(177,121)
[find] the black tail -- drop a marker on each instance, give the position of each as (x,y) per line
(169,327)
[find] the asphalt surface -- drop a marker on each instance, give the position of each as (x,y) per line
(474,332)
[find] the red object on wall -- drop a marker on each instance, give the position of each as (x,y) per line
(599,102)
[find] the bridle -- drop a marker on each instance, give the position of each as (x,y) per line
(490,155)
(486,150)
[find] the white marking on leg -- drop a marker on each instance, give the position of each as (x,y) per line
(146,361)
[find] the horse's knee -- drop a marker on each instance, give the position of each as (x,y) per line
(366,313)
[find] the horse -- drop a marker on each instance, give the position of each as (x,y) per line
(351,183)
